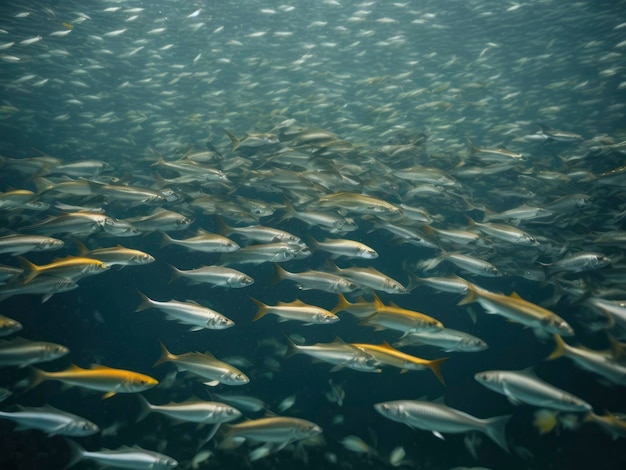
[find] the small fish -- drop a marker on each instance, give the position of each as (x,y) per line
(208,412)
(99,378)
(8,326)
(22,352)
(205,366)
(51,421)
(296,310)
(188,313)
(523,387)
(439,418)
(216,275)
(124,457)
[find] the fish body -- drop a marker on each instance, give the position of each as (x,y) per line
(337,353)
(51,421)
(596,362)
(521,387)
(19,244)
(188,313)
(401,319)
(205,366)
(447,339)
(99,378)
(131,458)
(440,418)
(319,280)
(205,242)
(514,308)
(216,275)
(296,310)
(207,412)
(21,352)
(275,429)
(72,267)
(388,355)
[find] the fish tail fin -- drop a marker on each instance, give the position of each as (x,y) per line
(429,264)
(471,222)
(234,139)
(145,408)
(435,366)
(43,185)
(36,377)
(175,273)
(76,453)
(166,356)
(559,349)
(263,309)
(222,227)
(312,242)
(279,274)
(472,295)
(145,304)
(342,305)
(31,270)
(167,240)
(82,249)
(292,348)
(545,420)
(495,429)
(472,148)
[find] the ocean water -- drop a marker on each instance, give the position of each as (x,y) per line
(126,82)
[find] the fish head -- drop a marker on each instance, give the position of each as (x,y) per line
(474,344)
(492,271)
(489,379)
(144,258)
(393,287)
(301,252)
(235,378)
(367,253)
(228,413)
(348,286)
(54,351)
(389,409)
(83,428)
(141,382)
(220,323)
(244,280)
(183,222)
(229,246)
(557,326)
(324,318)
(52,244)
(163,461)
(308,429)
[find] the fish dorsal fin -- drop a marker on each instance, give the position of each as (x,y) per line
(189,301)
(387,346)
(296,302)
(74,368)
(529,371)
(441,400)
(377,302)
(208,354)
(339,340)
(515,295)
(100,367)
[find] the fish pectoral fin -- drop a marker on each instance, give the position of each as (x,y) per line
(108,394)
(212,383)
(438,435)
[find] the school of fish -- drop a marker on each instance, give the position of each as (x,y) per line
(193,193)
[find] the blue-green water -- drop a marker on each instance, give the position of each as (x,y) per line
(133,81)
